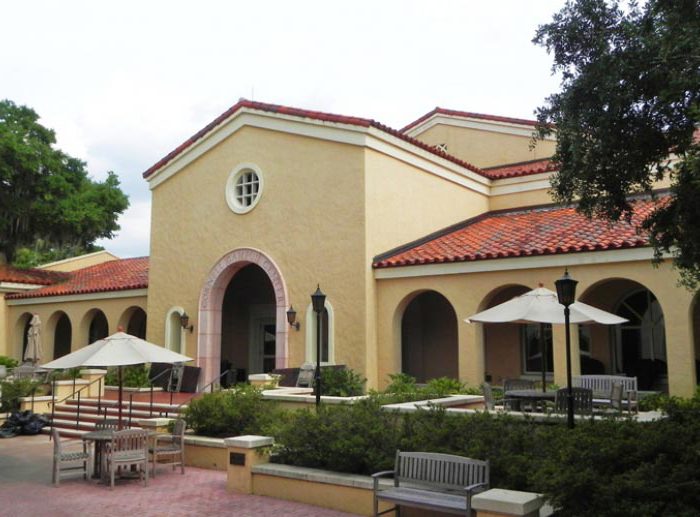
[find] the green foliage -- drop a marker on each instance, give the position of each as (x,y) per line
(135,376)
(234,412)
(609,467)
(46,194)
(630,98)
(404,388)
(341,382)
(12,390)
(65,375)
(42,252)
(8,361)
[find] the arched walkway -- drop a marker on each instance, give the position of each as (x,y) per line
(636,348)
(133,321)
(211,309)
(429,343)
(95,325)
(62,334)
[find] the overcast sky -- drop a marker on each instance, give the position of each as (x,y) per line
(123,83)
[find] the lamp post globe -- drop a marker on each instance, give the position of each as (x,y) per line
(566,293)
(318,300)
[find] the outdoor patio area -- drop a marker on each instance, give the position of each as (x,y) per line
(26,490)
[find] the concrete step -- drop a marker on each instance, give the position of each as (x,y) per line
(90,412)
(125,404)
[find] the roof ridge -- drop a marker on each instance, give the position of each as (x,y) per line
(514,164)
(468,114)
(317,115)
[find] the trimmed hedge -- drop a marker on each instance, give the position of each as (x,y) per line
(608,467)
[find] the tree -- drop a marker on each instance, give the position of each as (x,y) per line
(46,195)
(627,115)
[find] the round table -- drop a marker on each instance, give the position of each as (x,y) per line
(532,396)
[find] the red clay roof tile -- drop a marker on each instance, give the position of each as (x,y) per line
(523,232)
(513,170)
(114,275)
(29,276)
(296,112)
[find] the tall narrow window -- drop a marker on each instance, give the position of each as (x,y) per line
(173,330)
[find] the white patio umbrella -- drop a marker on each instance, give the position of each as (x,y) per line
(542,306)
(33,352)
(119,350)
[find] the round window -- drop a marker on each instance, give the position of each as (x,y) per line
(244,188)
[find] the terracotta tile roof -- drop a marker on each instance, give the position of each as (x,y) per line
(468,114)
(513,170)
(29,276)
(535,231)
(315,115)
(113,275)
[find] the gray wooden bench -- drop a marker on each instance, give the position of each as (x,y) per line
(432,481)
(602,385)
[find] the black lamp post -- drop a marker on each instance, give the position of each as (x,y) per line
(318,299)
(566,293)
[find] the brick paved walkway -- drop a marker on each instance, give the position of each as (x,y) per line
(26,491)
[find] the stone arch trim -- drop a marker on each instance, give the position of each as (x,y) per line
(211,299)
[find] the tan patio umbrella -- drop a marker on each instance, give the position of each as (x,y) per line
(542,306)
(33,352)
(119,350)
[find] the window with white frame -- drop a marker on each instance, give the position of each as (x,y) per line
(532,348)
(327,327)
(244,188)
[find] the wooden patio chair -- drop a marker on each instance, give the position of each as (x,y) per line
(175,449)
(67,460)
(583,401)
(111,424)
(520,384)
(126,449)
(491,402)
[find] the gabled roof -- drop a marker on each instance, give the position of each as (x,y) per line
(545,230)
(114,275)
(469,114)
(513,170)
(301,113)
(29,276)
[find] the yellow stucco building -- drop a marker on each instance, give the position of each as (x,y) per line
(407,233)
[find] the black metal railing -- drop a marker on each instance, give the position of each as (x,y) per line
(151,381)
(209,386)
(73,395)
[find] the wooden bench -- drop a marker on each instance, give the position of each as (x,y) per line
(432,481)
(602,385)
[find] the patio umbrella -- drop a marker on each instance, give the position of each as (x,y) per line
(119,350)
(542,306)
(33,352)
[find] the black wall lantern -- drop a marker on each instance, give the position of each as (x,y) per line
(185,322)
(292,318)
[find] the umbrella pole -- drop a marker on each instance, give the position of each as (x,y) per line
(119,426)
(543,352)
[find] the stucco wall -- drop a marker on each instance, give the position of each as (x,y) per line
(466,293)
(486,148)
(309,221)
(79,312)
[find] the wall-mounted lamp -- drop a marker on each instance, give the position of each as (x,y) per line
(292,318)
(185,322)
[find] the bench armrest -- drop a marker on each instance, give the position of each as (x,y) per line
(382,474)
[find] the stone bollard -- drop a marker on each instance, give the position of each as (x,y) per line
(244,452)
(498,502)
(157,425)
(92,375)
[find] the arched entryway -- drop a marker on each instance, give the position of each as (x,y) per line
(429,343)
(242,316)
(62,334)
(21,332)
(636,348)
(97,326)
(133,321)
(514,350)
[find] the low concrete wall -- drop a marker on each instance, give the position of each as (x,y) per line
(204,452)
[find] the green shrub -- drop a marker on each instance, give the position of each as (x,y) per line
(14,389)
(605,467)
(8,361)
(341,382)
(234,412)
(404,388)
(135,376)
(65,375)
